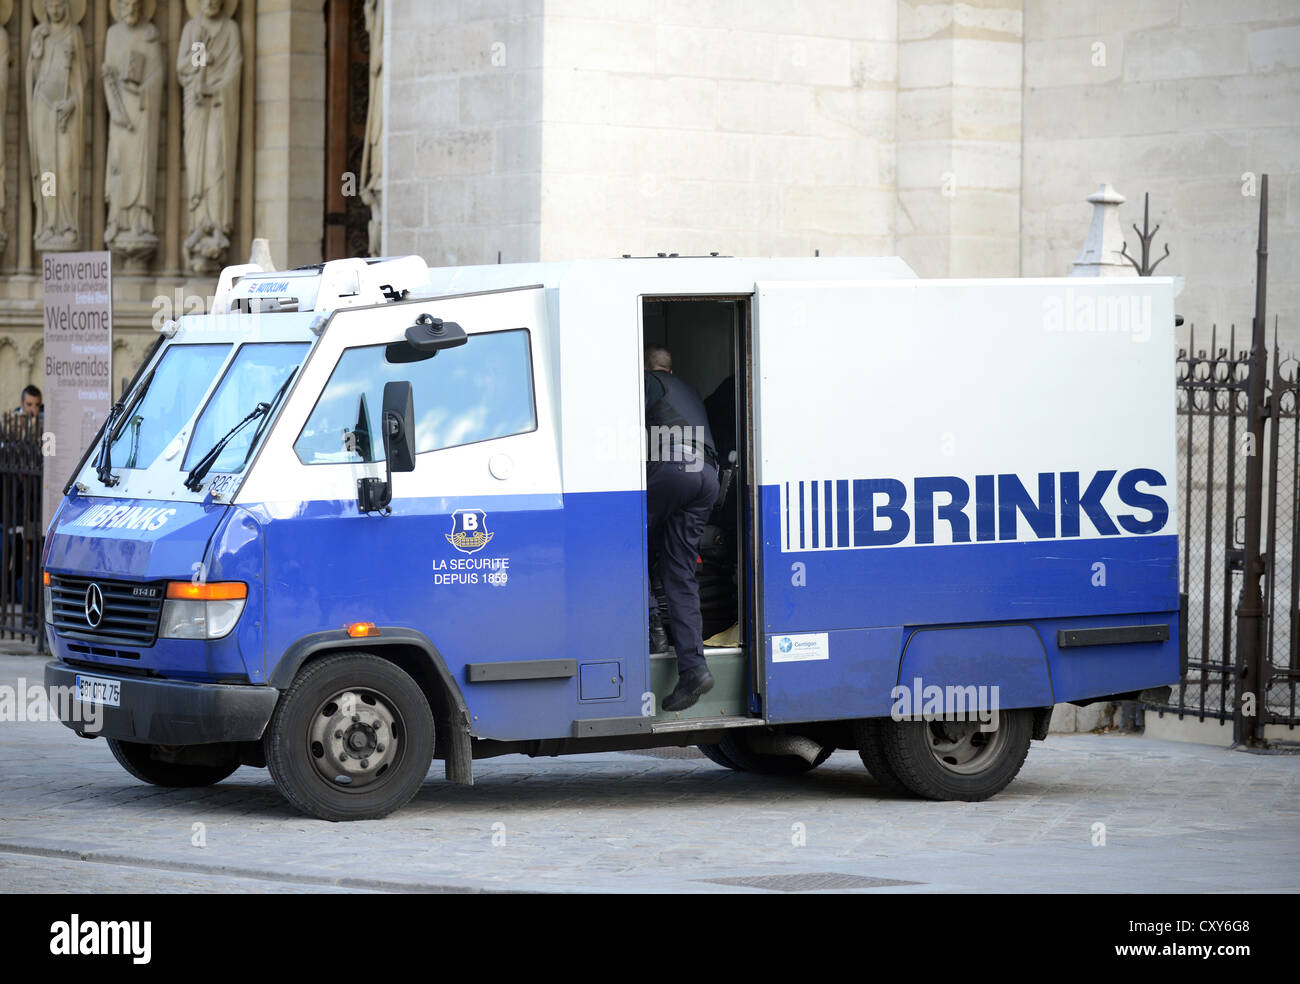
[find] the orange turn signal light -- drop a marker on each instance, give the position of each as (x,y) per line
(360,630)
(207,591)
(45,577)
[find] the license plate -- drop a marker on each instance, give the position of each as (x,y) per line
(97,690)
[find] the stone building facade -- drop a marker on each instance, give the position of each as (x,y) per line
(963,137)
(222,100)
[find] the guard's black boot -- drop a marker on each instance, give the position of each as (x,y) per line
(691,686)
(658,637)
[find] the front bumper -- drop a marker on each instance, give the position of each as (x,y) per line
(170,712)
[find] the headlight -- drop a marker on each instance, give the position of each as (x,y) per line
(201,611)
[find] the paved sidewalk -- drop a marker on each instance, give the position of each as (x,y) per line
(1178,817)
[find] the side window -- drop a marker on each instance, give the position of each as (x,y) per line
(475,392)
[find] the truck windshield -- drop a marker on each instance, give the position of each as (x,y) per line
(175,388)
(254,376)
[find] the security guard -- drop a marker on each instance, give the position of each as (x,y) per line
(681,487)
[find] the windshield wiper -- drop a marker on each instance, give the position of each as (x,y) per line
(104,459)
(275,402)
(194,481)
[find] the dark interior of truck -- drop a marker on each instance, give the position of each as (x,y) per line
(708,339)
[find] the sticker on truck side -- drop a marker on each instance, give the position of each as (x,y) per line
(797,648)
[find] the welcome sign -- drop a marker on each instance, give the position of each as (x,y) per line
(78,362)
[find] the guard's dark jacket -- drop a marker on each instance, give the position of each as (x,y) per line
(670,402)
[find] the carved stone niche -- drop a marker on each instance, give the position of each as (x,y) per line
(133,74)
(56,104)
(208,64)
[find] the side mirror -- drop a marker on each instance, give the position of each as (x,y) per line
(398,430)
(399,426)
(425,339)
(430,334)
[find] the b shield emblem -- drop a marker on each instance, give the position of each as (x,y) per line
(469,532)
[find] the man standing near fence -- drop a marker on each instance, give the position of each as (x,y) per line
(22,499)
(30,403)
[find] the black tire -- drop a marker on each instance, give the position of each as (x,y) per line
(736,748)
(138,759)
(868,736)
(715,754)
(307,746)
(926,755)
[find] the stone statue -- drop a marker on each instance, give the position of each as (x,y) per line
(372,158)
(56,97)
(133,90)
(6,8)
(208,65)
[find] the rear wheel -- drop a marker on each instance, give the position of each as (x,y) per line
(164,765)
(351,739)
(869,737)
(955,760)
(737,748)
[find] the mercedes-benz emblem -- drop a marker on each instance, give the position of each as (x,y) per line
(94,606)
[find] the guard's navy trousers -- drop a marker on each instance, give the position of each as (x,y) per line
(679,497)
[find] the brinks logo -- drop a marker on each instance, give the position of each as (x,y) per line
(881,512)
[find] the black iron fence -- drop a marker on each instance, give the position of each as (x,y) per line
(22,605)
(1239,451)
(1215,444)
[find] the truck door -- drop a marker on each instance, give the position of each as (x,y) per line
(812,359)
(473,552)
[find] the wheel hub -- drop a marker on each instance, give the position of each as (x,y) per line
(961,747)
(354,738)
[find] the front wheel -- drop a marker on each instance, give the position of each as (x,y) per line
(351,739)
(162,765)
(955,760)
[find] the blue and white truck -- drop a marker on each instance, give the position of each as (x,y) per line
(367,514)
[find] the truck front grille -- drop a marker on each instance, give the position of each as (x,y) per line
(128,611)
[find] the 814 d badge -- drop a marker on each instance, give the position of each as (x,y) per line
(469,532)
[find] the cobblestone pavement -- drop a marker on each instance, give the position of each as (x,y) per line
(1178,817)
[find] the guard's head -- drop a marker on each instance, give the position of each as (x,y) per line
(658,358)
(31,401)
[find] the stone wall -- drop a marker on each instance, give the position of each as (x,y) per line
(1186,99)
(747,128)
(464,131)
(959,138)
